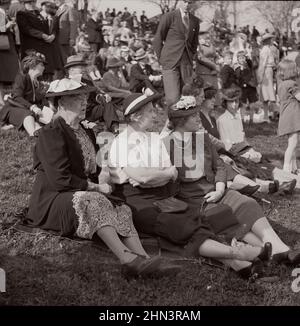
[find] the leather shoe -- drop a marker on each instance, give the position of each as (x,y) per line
(252,272)
(149,267)
(273,187)
(249,190)
(287,188)
(266,252)
(290,257)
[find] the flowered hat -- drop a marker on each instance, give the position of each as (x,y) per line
(137,101)
(184,107)
(66,86)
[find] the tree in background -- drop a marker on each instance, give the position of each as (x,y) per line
(278,13)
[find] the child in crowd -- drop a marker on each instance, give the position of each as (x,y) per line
(227,73)
(289,120)
(247,82)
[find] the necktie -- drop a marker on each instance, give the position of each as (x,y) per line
(50,24)
(186,20)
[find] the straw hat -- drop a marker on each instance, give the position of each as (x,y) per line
(66,86)
(140,54)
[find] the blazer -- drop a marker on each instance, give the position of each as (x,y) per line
(172,39)
(68,24)
(138,77)
(59,163)
(94,31)
(214,168)
(32,26)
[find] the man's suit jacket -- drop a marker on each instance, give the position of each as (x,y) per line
(68,24)
(94,31)
(138,77)
(172,39)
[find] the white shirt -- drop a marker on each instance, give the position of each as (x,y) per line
(136,149)
(230,129)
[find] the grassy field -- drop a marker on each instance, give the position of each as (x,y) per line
(45,270)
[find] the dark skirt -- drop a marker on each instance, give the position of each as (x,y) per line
(9,62)
(184,229)
(245,209)
(14,115)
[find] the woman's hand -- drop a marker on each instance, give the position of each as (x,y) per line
(214,196)
(104,188)
(133,182)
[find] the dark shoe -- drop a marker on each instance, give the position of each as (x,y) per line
(291,257)
(252,272)
(150,267)
(266,252)
(141,266)
(249,190)
(287,188)
(273,187)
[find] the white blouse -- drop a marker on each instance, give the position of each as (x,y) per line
(136,149)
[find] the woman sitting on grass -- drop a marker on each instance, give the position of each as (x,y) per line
(23,108)
(143,175)
(202,180)
(66,196)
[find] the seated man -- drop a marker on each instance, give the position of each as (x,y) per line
(142,75)
(114,81)
(99,107)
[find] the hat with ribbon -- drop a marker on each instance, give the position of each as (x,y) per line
(137,101)
(75,60)
(140,54)
(184,107)
(66,87)
(124,48)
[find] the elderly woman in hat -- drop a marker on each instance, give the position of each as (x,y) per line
(66,196)
(23,108)
(202,179)
(265,74)
(143,175)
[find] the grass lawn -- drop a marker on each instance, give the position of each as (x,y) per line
(46,270)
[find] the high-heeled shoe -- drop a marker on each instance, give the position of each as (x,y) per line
(252,272)
(266,252)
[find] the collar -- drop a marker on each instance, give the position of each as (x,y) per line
(182,13)
(231,116)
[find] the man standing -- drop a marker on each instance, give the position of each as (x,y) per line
(175,44)
(68,25)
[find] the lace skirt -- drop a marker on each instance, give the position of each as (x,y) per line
(95,211)
(83,213)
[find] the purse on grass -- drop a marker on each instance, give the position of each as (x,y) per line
(171,205)
(4,42)
(219,217)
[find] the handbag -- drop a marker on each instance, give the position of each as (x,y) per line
(220,217)
(4,42)
(171,205)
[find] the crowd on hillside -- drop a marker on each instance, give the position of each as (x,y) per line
(73,81)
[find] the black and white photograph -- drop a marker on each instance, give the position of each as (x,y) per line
(149,160)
